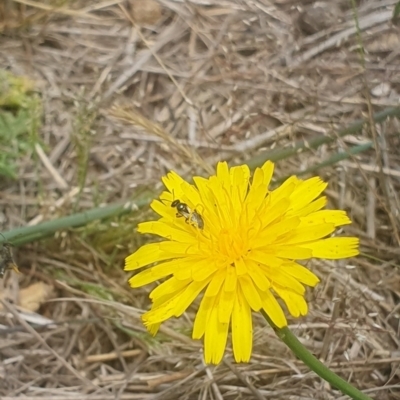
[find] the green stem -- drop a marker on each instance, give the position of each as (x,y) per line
(334,159)
(313,143)
(315,365)
(26,234)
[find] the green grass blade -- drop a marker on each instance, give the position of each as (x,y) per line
(343,155)
(28,234)
(303,145)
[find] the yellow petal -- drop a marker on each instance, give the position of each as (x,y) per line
(181,268)
(250,293)
(215,284)
(145,255)
(225,306)
(179,249)
(162,312)
(240,177)
(223,173)
(162,209)
(258,179)
(268,169)
(274,211)
(258,276)
(334,248)
(149,253)
(279,276)
(201,184)
(172,182)
(190,195)
(183,274)
(168,231)
(307,234)
(257,193)
(155,273)
(242,329)
(271,233)
(284,191)
(230,280)
(200,322)
(271,306)
(205,193)
(215,338)
(309,208)
(153,328)
(168,288)
(261,257)
(240,266)
(295,303)
(301,273)
(290,251)
(336,217)
(188,296)
(307,191)
(202,270)
(222,204)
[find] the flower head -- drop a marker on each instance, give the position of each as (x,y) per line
(234,242)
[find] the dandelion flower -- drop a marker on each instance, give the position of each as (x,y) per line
(235,243)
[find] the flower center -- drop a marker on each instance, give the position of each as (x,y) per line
(232,244)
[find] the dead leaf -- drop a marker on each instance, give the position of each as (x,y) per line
(29,298)
(32,297)
(319,16)
(388,41)
(145,12)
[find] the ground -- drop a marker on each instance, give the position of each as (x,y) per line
(99,99)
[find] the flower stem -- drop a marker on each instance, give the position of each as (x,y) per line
(315,365)
(301,146)
(27,234)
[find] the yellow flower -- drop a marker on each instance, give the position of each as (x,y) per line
(235,245)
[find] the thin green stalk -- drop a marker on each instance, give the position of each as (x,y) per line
(313,363)
(332,160)
(81,137)
(396,13)
(26,234)
(313,143)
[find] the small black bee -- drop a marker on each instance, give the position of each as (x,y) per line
(191,217)
(6,258)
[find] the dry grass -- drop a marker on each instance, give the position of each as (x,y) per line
(130,92)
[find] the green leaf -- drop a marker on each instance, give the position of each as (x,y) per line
(20,115)
(396,12)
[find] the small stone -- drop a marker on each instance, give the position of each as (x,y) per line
(145,12)
(381,90)
(319,16)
